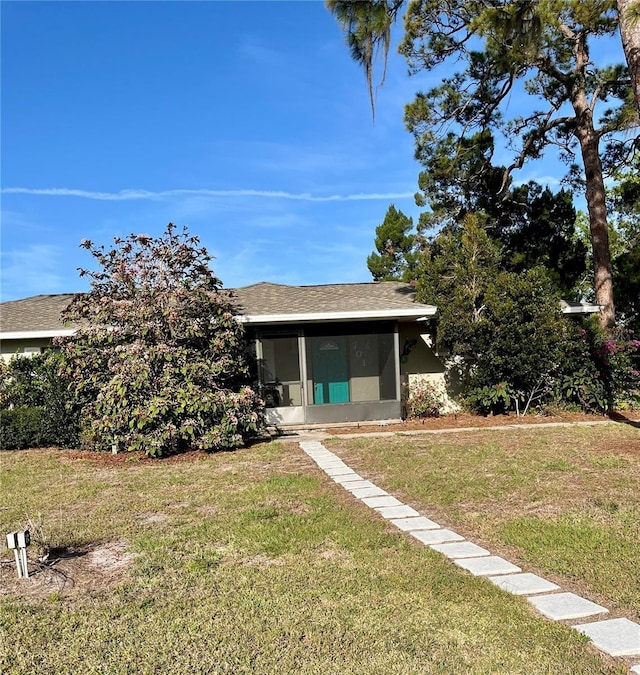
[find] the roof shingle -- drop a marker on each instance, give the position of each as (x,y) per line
(42,312)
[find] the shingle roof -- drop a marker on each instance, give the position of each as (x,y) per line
(268,298)
(42,312)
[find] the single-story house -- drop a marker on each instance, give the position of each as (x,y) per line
(327,354)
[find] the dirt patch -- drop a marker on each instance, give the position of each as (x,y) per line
(70,572)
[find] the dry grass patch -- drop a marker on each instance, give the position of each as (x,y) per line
(246,562)
(564,502)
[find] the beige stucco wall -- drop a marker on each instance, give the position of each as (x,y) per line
(9,348)
(421,363)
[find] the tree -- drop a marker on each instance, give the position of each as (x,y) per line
(396,248)
(158,362)
(540,48)
(456,271)
(532,225)
(537,229)
(625,206)
(367,27)
(504,331)
(522,337)
(629,17)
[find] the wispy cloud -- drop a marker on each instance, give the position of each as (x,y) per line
(131,195)
(37,268)
(254,50)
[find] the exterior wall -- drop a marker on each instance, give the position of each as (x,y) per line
(418,359)
(419,362)
(9,348)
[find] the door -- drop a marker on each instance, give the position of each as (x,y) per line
(330,370)
(280,378)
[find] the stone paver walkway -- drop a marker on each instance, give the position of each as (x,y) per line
(616,637)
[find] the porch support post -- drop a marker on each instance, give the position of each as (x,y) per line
(396,360)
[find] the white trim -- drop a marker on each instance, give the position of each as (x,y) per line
(309,317)
(35,334)
(581,308)
(421,313)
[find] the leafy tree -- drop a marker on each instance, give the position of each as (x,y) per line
(537,228)
(521,339)
(532,225)
(159,362)
(456,271)
(542,47)
(625,205)
(396,248)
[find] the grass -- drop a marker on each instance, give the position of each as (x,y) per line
(563,502)
(252,562)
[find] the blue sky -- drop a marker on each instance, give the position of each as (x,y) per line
(245,121)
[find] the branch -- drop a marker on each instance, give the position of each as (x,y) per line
(535,135)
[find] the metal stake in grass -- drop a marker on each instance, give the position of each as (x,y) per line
(18,542)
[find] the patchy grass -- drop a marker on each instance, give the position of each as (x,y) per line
(563,502)
(251,562)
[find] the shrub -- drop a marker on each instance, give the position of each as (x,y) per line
(598,371)
(22,428)
(159,362)
(490,400)
(426,399)
(25,427)
(37,406)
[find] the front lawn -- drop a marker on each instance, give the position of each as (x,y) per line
(255,562)
(563,502)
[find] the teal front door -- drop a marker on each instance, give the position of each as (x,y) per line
(330,370)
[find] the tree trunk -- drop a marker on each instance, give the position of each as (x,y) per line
(628,13)
(596,205)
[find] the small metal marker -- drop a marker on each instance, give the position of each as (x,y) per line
(18,542)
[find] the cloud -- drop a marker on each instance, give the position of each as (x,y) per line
(253,50)
(37,268)
(131,195)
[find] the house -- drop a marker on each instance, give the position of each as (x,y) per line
(326,354)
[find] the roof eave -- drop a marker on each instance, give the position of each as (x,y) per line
(35,334)
(320,317)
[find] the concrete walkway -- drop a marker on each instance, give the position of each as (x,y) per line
(616,637)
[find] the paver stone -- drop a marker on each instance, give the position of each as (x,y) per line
(376,502)
(524,584)
(374,491)
(618,637)
(390,512)
(463,549)
(436,536)
(563,606)
(491,564)
(417,523)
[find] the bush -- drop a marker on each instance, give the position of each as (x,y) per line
(598,372)
(490,400)
(21,428)
(159,362)
(25,427)
(36,404)
(425,400)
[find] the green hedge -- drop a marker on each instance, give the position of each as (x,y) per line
(35,427)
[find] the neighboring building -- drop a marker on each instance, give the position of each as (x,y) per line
(326,354)
(27,326)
